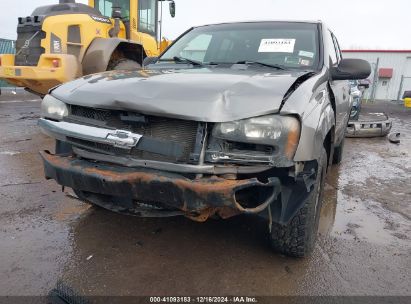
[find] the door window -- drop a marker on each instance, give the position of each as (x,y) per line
(331,48)
(337,48)
(147,16)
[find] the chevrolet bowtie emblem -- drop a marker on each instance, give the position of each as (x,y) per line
(124,139)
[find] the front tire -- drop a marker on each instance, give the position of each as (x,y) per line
(298,237)
(338,153)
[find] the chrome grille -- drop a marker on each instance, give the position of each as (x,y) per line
(90,113)
(165,130)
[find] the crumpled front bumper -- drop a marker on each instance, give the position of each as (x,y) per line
(198,198)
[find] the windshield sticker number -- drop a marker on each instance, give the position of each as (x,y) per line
(305,62)
(292,60)
(306,54)
(277,46)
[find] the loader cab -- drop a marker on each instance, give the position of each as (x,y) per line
(138,16)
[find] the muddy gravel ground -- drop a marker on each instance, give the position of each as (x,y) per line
(47,235)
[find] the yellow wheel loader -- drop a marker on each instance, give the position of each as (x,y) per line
(62,42)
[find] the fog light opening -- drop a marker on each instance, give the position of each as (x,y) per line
(253,197)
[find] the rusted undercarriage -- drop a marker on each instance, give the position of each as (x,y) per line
(152,193)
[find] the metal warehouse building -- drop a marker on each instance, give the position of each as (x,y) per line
(6,47)
(391,72)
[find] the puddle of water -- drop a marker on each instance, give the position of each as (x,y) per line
(9,153)
(368,221)
(366,164)
(33,254)
(20,101)
(349,218)
(70,208)
(350,213)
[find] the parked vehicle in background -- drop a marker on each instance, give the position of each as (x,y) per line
(234,118)
(356,95)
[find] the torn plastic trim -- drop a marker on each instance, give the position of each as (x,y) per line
(275,160)
(170,167)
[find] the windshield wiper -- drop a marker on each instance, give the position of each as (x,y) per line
(275,66)
(186,60)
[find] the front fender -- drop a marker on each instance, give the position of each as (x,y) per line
(315,128)
(99,53)
(311,102)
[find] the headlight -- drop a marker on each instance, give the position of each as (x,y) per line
(53,108)
(282,132)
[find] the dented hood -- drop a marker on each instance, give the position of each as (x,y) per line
(201,94)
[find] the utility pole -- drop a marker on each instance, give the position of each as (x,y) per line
(375,80)
(160,25)
(400,90)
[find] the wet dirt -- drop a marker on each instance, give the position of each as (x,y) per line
(46,235)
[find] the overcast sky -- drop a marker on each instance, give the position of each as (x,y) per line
(380,24)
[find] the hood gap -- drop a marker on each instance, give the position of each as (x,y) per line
(299,81)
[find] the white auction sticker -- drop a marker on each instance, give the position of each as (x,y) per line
(277,46)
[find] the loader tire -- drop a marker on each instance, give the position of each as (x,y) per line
(123,64)
(298,237)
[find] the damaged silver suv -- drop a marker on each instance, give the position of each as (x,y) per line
(235,118)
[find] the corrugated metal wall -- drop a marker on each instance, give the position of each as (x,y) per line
(400,62)
(6,47)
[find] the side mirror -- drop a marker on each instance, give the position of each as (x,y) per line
(351,69)
(149,60)
(172,9)
(116,13)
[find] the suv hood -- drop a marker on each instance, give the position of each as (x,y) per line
(200,94)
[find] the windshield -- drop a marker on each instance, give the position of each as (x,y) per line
(106,7)
(286,44)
